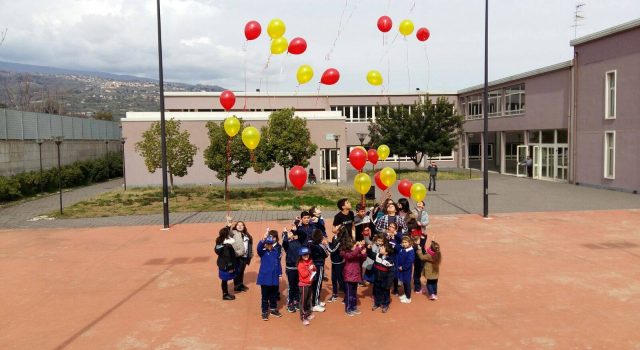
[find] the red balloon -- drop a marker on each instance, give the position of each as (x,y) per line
(358,158)
(227,99)
(330,76)
(385,24)
(252,30)
(372,155)
(423,34)
(404,187)
(298,176)
(379,181)
(297,46)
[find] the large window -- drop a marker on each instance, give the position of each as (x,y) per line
(495,106)
(610,96)
(514,99)
(474,106)
(463,106)
(610,154)
(355,114)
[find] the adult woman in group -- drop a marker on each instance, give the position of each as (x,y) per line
(391,216)
(244,256)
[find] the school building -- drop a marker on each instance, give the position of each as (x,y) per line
(579,120)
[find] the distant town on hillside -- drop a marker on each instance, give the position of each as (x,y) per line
(81,93)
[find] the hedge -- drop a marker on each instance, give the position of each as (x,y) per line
(77,174)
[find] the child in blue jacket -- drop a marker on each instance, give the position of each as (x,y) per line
(404,265)
(269,276)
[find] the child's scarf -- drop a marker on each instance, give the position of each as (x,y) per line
(431,252)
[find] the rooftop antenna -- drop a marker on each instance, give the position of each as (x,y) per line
(578,16)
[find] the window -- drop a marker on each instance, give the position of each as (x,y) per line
(354,114)
(609,154)
(514,100)
(441,157)
(495,106)
(463,106)
(474,107)
(610,96)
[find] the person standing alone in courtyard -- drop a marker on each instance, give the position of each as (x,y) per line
(529,163)
(432,169)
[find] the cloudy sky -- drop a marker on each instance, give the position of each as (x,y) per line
(204,39)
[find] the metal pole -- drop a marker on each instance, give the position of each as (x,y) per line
(124,169)
(485,134)
(163,140)
(41,179)
(59,176)
(338,172)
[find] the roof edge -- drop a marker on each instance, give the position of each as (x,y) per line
(606,32)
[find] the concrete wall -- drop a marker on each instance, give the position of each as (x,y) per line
(19,156)
(594,59)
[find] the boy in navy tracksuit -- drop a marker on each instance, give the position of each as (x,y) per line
(404,265)
(304,228)
(419,241)
(269,276)
(319,253)
(337,265)
(383,268)
(394,238)
(292,244)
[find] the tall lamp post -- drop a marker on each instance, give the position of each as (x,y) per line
(163,139)
(124,170)
(336,137)
(361,137)
(485,134)
(58,141)
(39,141)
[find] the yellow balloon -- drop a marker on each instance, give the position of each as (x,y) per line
(383,152)
(304,74)
(388,176)
(418,192)
(250,137)
(232,126)
(362,183)
(279,45)
(406,27)
(276,28)
(374,77)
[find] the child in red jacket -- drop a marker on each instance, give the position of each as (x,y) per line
(306,272)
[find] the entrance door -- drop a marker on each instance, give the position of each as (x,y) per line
(562,161)
(536,162)
(329,165)
(547,163)
(521,157)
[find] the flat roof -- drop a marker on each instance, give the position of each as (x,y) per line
(606,32)
(219,116)
(543,70)
(307,94)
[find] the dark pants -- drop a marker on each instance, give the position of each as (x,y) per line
(316,285)
(406,286)
(381,294)
(396,286)
(432,178)
(337,280)
(225,288)
(294,292)
(351,297)
(432,286)
(238,281)
(269,298)
(529,171)
(305,302)
(418,265)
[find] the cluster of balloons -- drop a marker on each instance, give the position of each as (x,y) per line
(405,28)
(358,158)
(250,135)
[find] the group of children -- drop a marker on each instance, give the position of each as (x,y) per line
(382,247)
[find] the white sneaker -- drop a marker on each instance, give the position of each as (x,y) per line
(322,304)
(406,301)
(403,298)
(318,308)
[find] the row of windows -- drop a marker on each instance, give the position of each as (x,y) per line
(363,114)
(507,101)
(397,158)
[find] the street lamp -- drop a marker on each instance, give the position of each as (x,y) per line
(361,137)
(336,137)
(124,172)
(58,141)
(106,158)
(485,101)
(163,139)
(39,141)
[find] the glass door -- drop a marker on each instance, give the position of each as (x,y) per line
(521,156)
(547,162)
(562,161)
(536,162)
(329,165)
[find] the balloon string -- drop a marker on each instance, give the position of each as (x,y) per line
(426,55)
(408,70)
(341,26)
(226,185)
(244,48)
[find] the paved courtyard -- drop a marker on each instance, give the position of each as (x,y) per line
(559,280)
(507,194)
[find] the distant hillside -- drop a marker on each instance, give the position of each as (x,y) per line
(72,92)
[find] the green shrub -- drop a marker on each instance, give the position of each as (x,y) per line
(9,189)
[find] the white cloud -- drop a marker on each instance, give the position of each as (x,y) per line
(203,39)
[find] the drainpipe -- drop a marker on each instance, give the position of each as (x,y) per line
(573,124)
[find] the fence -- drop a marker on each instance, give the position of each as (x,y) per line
(17,125)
